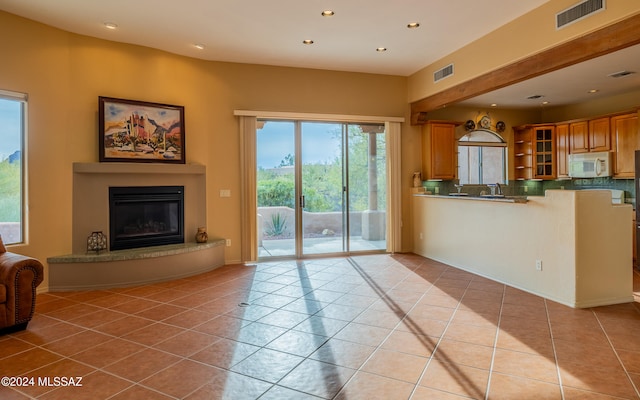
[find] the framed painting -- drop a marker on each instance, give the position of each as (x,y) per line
(139,131)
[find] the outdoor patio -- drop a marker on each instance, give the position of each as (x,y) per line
(320,245)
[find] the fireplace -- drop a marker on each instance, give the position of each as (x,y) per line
(143,216)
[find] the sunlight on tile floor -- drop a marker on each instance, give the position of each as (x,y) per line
(366,327)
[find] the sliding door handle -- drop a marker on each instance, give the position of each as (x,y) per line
(301,201)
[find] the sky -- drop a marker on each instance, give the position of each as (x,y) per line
(320,142)
(119,112)
(9,127)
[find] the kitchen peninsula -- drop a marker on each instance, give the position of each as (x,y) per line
(572,247)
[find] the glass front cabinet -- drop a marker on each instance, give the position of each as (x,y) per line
(534,152)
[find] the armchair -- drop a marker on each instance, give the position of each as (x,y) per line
(19,277)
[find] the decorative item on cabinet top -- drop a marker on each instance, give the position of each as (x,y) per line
(485,122)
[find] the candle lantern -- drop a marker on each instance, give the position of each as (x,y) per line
(97,242)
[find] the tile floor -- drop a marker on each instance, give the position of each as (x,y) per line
(366,327)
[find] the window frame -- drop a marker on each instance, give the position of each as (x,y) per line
(22,98)
(466,141)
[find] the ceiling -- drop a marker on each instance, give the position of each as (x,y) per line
(271,32)
(570,85)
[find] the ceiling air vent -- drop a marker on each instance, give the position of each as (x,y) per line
(621,74)
(443,73)
(579,11)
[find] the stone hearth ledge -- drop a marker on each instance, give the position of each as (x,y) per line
(135,254)
(122,268)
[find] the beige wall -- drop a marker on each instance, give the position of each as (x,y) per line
(583,242)
(64,73)
(530,34)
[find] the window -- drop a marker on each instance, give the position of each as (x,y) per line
(482,158)
(12,137)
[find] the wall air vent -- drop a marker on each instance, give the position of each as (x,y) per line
(578,12)
(443,73)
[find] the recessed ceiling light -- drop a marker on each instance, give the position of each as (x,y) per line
(307,41)
(381,49)
(593,91)
(199,46)
(413,25)
(545,103)
(494,105)
(328,13)
(111,25)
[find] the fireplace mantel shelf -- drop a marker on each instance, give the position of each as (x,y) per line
(138,168)
(136,254)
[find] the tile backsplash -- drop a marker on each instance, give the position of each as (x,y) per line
(537,188)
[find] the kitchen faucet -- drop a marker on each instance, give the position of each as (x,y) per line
(493,187)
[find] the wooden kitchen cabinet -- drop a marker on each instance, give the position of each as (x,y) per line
(534,152)
(523,152)
(544,166)
(579,137)
(439,150)
(624,132)
(562,151)
(617,133)
(600,134)
(593,135)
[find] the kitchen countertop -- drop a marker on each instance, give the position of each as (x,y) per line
(505,199)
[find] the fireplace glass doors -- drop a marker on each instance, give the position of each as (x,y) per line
(144,216)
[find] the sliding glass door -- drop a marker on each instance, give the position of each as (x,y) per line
(368,187)
(321,188)
(276,187)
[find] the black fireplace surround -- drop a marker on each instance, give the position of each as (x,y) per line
(144,216)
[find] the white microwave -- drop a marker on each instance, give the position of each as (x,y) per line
(590,165)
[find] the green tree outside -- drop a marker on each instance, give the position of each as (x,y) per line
(10,209)
(323,182)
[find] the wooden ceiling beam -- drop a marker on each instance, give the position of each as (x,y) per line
(606,40)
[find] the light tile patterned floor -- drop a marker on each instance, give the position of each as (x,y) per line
(367,327)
